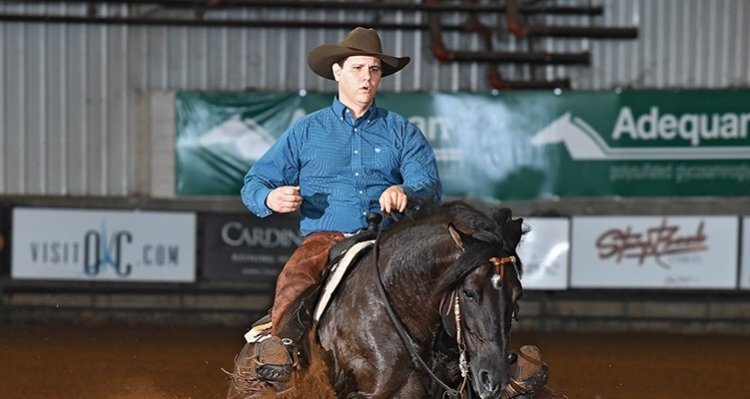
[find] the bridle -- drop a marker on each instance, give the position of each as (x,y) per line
(406,338)
(499,264)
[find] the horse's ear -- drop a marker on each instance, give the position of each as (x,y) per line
(461,227)
(515,231)
(457,226)
(456,236)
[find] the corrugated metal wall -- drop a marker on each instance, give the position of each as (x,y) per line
(69,111)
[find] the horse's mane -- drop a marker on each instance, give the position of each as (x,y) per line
(484,235)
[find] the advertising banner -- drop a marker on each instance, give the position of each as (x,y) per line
(745,273)
(515,145)
(103,245)
(244,247)
(655,252)
(544,253)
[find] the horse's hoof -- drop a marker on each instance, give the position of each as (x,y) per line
(529,362)
(528,374)
(531,384)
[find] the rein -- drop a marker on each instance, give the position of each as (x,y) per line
(401,329)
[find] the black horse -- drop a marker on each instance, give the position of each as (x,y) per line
(426,311)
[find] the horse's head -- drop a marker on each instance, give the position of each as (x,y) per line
(480,296)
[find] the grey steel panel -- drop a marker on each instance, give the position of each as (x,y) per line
(15,102)
(34,110)
(75,102)
(54,114)
(95,111)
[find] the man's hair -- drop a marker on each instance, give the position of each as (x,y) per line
(343,60)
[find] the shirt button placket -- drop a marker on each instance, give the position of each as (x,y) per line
(358,172)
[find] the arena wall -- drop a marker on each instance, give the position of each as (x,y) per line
(86,121)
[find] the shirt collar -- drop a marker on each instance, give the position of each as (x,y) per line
(339,109)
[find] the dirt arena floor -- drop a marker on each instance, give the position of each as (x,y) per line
(127,362)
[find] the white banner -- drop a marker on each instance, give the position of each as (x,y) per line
(745,279)
(655,252)
(544,253)
(66,244)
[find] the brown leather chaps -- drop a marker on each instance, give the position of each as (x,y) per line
(302,270)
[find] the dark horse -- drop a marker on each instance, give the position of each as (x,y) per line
(450,278)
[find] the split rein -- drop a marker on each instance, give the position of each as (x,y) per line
(406,338)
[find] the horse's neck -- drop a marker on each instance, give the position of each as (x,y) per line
(410,272)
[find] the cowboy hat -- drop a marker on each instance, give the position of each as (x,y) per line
(360,41)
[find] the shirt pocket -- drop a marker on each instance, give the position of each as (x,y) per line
(382,163)
(326,159)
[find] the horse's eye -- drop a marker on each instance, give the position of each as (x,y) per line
(470,294)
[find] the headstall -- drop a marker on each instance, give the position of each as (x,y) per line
(499,263)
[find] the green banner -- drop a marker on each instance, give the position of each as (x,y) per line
(518,145)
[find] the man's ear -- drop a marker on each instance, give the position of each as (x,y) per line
(336,68)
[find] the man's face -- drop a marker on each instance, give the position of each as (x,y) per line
(358,79)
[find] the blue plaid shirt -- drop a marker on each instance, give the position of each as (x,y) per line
(342,166)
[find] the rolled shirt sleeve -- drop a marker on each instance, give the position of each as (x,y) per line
(277,167)
(419,167)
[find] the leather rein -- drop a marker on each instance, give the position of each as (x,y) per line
(406,338)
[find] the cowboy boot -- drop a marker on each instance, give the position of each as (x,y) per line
(528,374)
(274,361)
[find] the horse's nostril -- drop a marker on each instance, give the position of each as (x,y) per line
(485,378)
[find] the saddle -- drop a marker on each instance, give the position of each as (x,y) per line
(310,305)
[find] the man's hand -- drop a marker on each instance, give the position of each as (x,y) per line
(393,199)
(284,199)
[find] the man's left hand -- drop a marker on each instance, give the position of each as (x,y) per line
(393,199)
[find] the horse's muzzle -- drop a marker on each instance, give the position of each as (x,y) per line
(489,383)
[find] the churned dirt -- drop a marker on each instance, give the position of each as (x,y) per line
(135,362)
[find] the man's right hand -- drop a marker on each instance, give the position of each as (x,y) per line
(284,199)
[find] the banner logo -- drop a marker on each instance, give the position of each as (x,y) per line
(655,242)
(584,143)
(245,135)
(98,254)
(236,234)
(98,250)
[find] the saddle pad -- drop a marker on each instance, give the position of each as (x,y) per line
(338,271)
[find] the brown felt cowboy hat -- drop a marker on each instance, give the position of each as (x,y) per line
(360,41)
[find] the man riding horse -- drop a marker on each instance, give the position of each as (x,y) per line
(335,166)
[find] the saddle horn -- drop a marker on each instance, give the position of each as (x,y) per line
(373,220)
